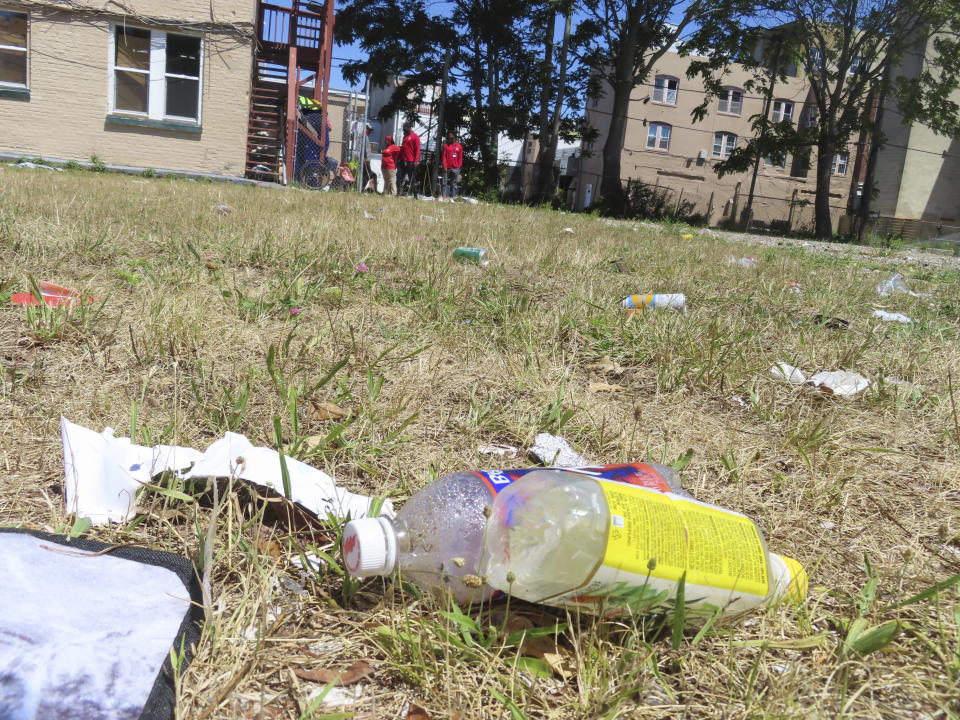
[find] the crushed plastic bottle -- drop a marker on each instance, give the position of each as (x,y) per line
(677,301)
(578,539)
(436,538)
(892,284)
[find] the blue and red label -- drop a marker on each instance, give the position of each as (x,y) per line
(631,473)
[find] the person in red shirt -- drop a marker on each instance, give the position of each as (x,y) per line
(388,164)
(409,157)
(452,161)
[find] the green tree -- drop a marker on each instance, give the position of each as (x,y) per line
(847,50)
(495,74)
(621,41)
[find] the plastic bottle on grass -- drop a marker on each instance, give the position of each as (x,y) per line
(437,537)
(583,542)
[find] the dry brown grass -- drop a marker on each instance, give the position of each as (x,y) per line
(453,356)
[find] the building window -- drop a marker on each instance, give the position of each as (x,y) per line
(856,65)
(840,163)
(156,74)
(782,110)
(658,136)
(775,161)
(810,118)
(731,101)
(815,59)
(665,89)
(13,49)
(723,144)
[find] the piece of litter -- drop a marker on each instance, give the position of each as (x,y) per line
(472,201)
(892,284)
(103,473)
(839,382)
(748,263)
(556,451)
(568,230)
(34,166)
(337,696)
(223,209)
(892,317)
(794,287)
(687,236)
(314,562)
(784,371)
(828,525)
(369,216)
(498,450)
(53,295)
(677,301)
(900,383)
(429,218)
(739,401)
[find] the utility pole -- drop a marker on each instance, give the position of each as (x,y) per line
(440,118)
(363,137)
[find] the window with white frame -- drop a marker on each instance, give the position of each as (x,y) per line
(658,136)
(156,74)
(665,89)
(723,144)
(840,161)
(731,101)
(782,110)
(775,161)
(810,117)
(13,49)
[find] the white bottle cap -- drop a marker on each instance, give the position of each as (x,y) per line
(369,547)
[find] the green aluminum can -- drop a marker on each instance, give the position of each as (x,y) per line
(471,254)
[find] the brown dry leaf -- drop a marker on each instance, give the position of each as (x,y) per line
(266,545)
(606,388)
(605,366)
(326,411)
(415,712)
(353,674)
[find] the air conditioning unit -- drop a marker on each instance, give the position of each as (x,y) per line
(702,155)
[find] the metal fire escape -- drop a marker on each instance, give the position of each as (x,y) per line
(294,47)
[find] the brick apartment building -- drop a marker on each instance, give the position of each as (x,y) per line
(664,149)
(158,85)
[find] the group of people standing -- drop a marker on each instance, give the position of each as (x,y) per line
(399,163)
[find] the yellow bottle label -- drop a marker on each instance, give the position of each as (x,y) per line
(716,547)
(655,537)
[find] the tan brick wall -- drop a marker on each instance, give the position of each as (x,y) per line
(65,115)
(682,170)
(918,171)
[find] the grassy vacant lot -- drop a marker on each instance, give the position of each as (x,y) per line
(440,358)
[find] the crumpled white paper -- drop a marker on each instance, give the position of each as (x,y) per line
(892,317)
(556,451)
(834,382)
(103,473)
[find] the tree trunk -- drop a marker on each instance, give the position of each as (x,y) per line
(823,226)
(610,185)
(545,185)
(546,78)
